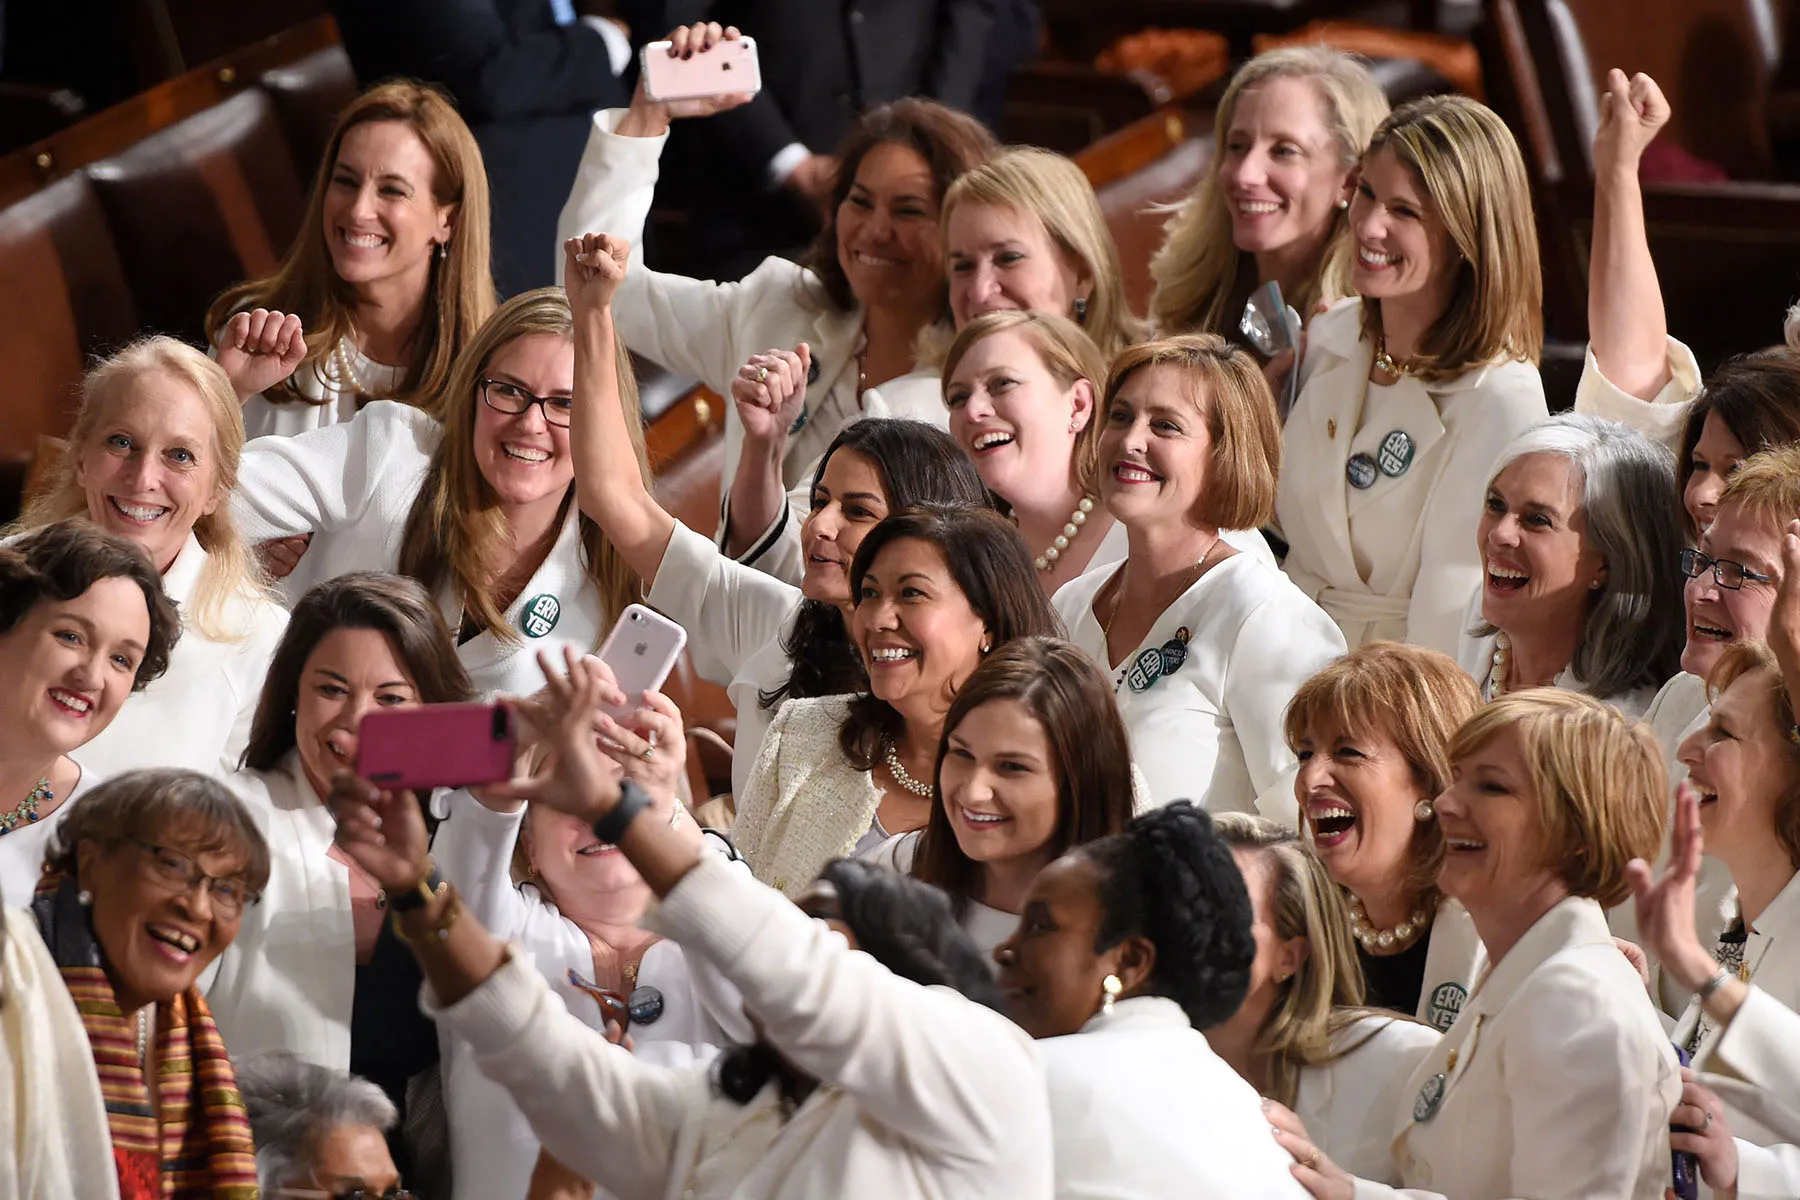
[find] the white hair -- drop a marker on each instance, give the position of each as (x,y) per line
(294,1105)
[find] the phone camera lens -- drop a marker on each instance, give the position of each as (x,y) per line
(499,724)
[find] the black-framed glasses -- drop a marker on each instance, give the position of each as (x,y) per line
(511,399)
(356,1193)
(178,873)
(1727,574)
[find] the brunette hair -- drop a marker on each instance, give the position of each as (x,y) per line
(1738,660)
(154,806)
(1757,397)
(1090,756)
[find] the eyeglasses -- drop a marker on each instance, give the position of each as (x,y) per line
(356,1193)
(181,874)
(1727,574)
(511,399)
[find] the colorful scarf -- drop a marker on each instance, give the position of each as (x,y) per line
(197,1147)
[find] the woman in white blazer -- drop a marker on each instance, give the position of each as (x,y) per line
(153,456)
(937,588)
(1129,948)
(1371,732)
(1034,761)
(872,1075)
(482,509)
(84,623)
(1410,390)
(1580,540)
(1302,1036)
(1183,627)
(1557,1080)
(390,274)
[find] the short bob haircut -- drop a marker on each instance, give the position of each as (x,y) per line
(294,1105)
(1224,384)
(1745,658)
(391,605)
(1469,165)
(1090,756)
(1597,781)
(990,565)
(1632,634)
(183,810)
(1070,356)
(1767,486)
(1417,699)
(60,562)
(1757,397)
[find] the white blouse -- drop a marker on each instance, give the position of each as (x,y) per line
(337,399)
(22,851)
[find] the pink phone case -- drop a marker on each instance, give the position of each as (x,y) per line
(728,68)
(436,745)
(641,650)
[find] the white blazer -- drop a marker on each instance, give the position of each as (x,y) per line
(335,404)
(1475,654)
(1141,1108)
(1661,418)
(1203,695)
(1395,560)
(1754,1065)
(923,1093)
(352,486)
(198,715)
(1348,1104)
(1555,1084)
(1454,960)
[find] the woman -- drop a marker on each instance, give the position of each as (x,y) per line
(143,887)
(390,276)
(319,1132)
(1302,1036)
(1033,761)
(83,625)
(1552,794)
(153,457)
(1580,540)
(482,509)
(1371,733)
(1409,391)
(871,1074)
(872,282)
(1184,626)
(1129,949)
(1290,131)
(763,640)
(936,589)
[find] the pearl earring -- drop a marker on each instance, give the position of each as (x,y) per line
(1342,205)
(84,897)
(1423,811)
(1110,988)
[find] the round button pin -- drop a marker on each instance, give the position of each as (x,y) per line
(1396,454)
(1361,472)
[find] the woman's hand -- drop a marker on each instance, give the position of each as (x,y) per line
(383,831)
(650,746)
(1640,962)
(281,555)
(769,392)
(1665,906)
(1631,113)
(259,349)
(575,778)
(650,118)
(1698,1127)
(593,268)
(550,1180)
(1316,1173)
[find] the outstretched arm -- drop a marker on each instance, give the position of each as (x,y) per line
(1627,327)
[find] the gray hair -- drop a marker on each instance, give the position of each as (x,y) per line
(1634,629)
(294,1105)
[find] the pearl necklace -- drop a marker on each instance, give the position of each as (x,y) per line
(1381,940)
(27,812)
(342,371)
(1496,676)
(143,1037)
(1047,560)
(902,776)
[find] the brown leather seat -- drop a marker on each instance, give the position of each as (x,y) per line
(308,95)
(1149,163)
(202,204)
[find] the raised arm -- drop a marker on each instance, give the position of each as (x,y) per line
(326,479)
(258,349)
(1627,328)
(768,393)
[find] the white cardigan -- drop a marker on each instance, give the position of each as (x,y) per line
(1210,730)
(1395,560)
(1141,1107)
(198,715)
(1348,1104)
(923,1093)
(1561,1085)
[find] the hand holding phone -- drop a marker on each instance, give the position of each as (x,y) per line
(1685,1171)
(436,745)
(640,652)
(1272,326)
(728,67)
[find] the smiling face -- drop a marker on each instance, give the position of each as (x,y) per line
(887,231)
(524,458)
(1281,176)
(349,674)
(918,635)
(1356,792)
(1003,259)
(1403,250)
(1742,766)
(382,222)
(999,784)
(1156,449)
(849,500)
(1541,570)
(1495,855)
(1715,456)
(1050,973)
(68,666)
(1718,616)
(1016,419)
(150,469)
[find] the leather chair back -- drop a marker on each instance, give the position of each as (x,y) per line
(308,96)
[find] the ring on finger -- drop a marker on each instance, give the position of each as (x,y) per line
(1312,1160)
(648,754)
(762,373)
(1706,1124)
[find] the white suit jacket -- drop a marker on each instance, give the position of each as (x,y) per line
(1417,528)
(1454,960)
(1754,1065)
(1561,1085)
(1348,1104)
(804,804)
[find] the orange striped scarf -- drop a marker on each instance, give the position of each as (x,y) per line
(197,1145)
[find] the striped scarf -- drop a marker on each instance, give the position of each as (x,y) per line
(196,1145)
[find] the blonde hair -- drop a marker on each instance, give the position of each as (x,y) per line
(1465,158)
(1066,352)
(231,569)
(1767,485)
(1738,660)
(1597,781)
(1200,274)
(456,530)
(1227,388)
(460,293)
(1051,188)
(1325,996)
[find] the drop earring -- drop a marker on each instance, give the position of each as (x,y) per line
(1110,987)
(1423,811)
(1081,310)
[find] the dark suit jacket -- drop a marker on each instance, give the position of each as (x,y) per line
(527,87)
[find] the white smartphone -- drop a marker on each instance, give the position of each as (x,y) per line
(728,68)
(641,650)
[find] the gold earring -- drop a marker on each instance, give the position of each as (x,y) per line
(1110,987)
